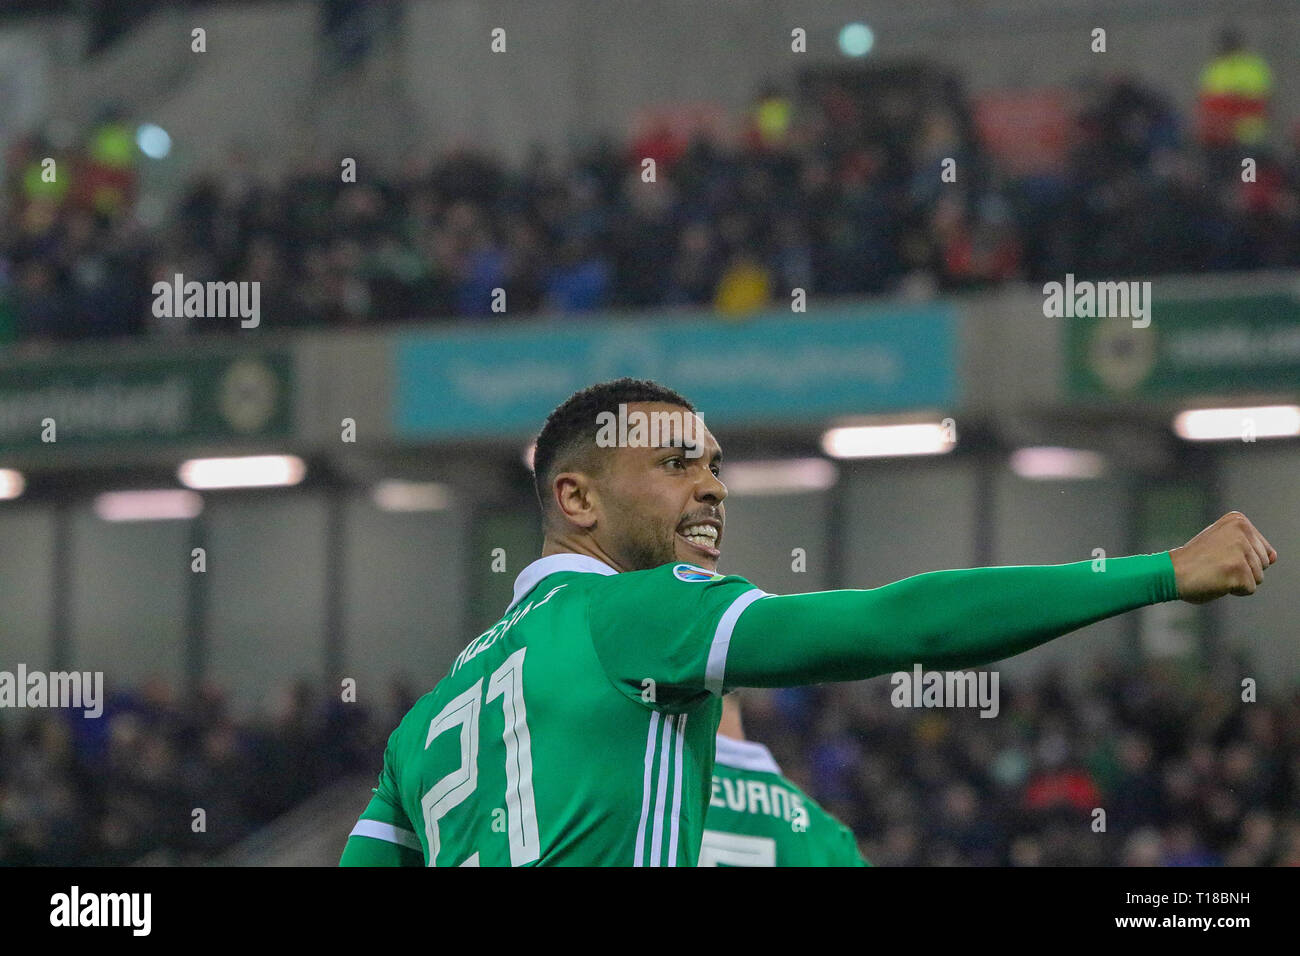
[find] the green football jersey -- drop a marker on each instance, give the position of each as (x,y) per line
(758,818)
(579,729)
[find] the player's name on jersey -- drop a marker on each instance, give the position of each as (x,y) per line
(757,796)
(498,630)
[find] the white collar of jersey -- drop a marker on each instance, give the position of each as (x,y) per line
(552,563)
(745,755)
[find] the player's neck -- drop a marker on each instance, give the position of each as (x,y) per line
(566,545)
(730,725)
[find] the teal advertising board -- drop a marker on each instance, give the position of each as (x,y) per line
(775,368)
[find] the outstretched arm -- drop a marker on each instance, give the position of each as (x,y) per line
(949,620)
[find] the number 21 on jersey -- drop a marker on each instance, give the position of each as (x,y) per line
(507,683)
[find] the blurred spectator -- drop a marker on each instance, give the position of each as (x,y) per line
(744,287)
(693,272)
(1236,87)
(107,179)
(579,281)
(769,120)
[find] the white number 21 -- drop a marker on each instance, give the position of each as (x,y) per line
(506,682)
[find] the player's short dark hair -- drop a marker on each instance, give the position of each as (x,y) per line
(570,430)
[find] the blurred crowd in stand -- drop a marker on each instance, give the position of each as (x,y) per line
(1155,766)
(818,193)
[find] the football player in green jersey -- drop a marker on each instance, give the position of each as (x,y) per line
(579,728)
(758,818)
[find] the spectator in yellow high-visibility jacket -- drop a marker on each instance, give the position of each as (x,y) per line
(1236,87)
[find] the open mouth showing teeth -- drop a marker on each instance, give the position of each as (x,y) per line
(704,535)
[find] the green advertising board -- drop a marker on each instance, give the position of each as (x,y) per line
(1239,344)
(145,399)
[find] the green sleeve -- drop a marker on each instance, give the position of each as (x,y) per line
(840,846)
(383,836)
(943,620)
(852,855)
(661,634)
(363,850)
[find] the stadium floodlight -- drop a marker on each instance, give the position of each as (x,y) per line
(885,441)
(529,454)
(153,140)
(160,504)
(12,483)
(856,39)
(395,495)
(250,471)
(1045,463)
(779,477)
(1241,424)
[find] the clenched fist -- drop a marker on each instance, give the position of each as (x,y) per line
(1228,557)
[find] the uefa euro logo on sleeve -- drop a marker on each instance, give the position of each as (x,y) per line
(691,574)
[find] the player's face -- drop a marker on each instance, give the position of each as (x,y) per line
(661,504)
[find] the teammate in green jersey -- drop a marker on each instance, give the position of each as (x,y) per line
(758,818)
(579,729)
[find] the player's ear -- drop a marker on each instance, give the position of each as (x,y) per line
(575,497)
